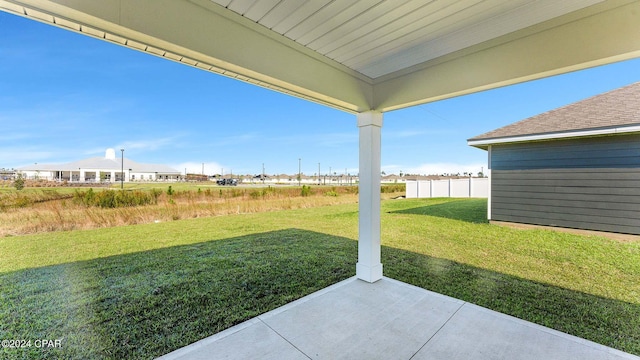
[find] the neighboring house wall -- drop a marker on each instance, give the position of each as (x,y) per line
(467,187)
(35,175)
(589,183)
(91,175)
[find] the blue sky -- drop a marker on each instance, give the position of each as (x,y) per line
(65,97)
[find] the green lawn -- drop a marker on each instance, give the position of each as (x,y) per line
(142,291)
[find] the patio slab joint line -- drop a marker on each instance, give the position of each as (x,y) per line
(437,331)
(285,339)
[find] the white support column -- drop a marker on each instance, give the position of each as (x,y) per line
(369,267)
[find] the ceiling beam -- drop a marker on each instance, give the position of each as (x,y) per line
(597,35)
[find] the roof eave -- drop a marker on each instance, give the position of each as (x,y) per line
(485,143)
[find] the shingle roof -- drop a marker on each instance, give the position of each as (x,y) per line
(616,108)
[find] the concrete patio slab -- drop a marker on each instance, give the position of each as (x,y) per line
(389,320)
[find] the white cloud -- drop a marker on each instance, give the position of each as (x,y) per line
(15,136)
(150,144)
(54,110)
(336,139)
(403,134)
(17,157)
(237,139)
(331,140)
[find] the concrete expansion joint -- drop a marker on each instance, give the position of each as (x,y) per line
(284,338)
(437,331)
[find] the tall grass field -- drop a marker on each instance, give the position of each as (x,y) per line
(142,290)
(45,209)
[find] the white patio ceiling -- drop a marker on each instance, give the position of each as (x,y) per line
(377,38)
(361,55)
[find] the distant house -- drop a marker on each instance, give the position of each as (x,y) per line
(100,169)
(577,166)
(6,174)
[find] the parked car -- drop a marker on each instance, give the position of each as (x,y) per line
(230,182)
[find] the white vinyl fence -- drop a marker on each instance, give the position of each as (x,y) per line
(467,187)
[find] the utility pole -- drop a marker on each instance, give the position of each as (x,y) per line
(299,172)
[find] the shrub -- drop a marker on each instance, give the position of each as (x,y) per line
(155,194)
(116,199)
(236,193)
(261,193)
(268,191)
(386,189)
(306,190)
(86,198)
(105,199)
(170,191)
(255,194)
(19,182)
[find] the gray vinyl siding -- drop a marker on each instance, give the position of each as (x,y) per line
(587,184)
(601,152)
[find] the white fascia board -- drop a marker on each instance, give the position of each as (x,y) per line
(484,143)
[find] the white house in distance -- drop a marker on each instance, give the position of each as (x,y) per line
(97,169)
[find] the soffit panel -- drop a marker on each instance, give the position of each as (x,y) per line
(377,38)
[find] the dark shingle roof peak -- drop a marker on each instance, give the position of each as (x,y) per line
(616,108)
